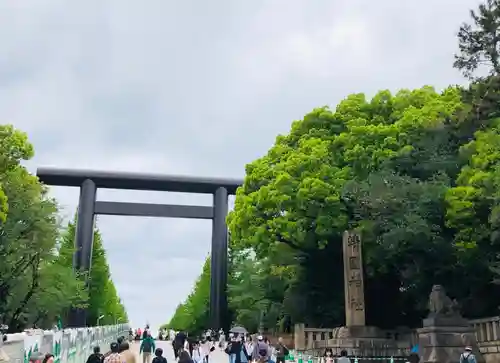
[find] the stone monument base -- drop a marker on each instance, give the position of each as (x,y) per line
(445,344)
(361,332)
(363,342)
(456,321)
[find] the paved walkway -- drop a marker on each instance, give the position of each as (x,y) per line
(217,356)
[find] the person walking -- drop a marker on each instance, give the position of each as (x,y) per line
(114,355)
(261,350)
(343,357)
(467,356)
(147,348)
(159,358)
(328,356)
(184,357)
(96,357)
(127,355)
(249,344)
(222,338)
(178,343)
(206,348)
(196,354)
(281,351)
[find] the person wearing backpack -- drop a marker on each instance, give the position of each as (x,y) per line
(467,356)
(147,348)
(96,357)
(261,350)
(281,351)
(159,358)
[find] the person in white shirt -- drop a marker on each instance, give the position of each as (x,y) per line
(222,339)
(249,344)
(197,355)
(206,348)
(343,357)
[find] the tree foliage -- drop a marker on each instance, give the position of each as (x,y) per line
(416,172)
(192,314)
(14,147)
(37,283)
(103,298)
(412,171)
(32,283)
(382,165)
(479,43)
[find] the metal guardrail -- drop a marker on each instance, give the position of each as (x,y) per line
(354,359)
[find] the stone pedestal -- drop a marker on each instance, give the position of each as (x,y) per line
(299,337)
(443,339)
(360,332)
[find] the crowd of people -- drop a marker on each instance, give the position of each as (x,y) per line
(240,348)
(120,351)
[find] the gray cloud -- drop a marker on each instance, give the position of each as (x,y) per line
(197,88)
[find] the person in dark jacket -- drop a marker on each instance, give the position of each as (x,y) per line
(159,358)
(178,343)
(237,351)
(96,357)
(281,351)
(184,357)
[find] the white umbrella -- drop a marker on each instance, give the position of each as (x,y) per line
(238,330)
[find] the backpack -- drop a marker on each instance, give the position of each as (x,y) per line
(147,346)
(159,360)
(263,349)
(464,358)
(285,351)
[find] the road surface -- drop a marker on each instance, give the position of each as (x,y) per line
(217,356)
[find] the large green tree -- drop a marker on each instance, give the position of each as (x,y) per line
(34,289)
(417,173)
(37,283)
(365,165)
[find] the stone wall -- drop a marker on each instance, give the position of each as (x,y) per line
(488,337)
(487,331)
(68,345)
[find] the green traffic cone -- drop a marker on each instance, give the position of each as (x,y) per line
(310,360)
(301,360)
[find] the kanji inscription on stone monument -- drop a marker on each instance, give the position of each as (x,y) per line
(353,279)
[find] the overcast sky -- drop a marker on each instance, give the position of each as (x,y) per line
(196,88)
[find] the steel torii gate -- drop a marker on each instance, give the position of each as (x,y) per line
(88,181)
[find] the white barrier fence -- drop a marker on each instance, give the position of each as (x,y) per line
(67,346)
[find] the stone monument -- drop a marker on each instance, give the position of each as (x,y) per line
(354,294)
(353,280)
(445,332)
